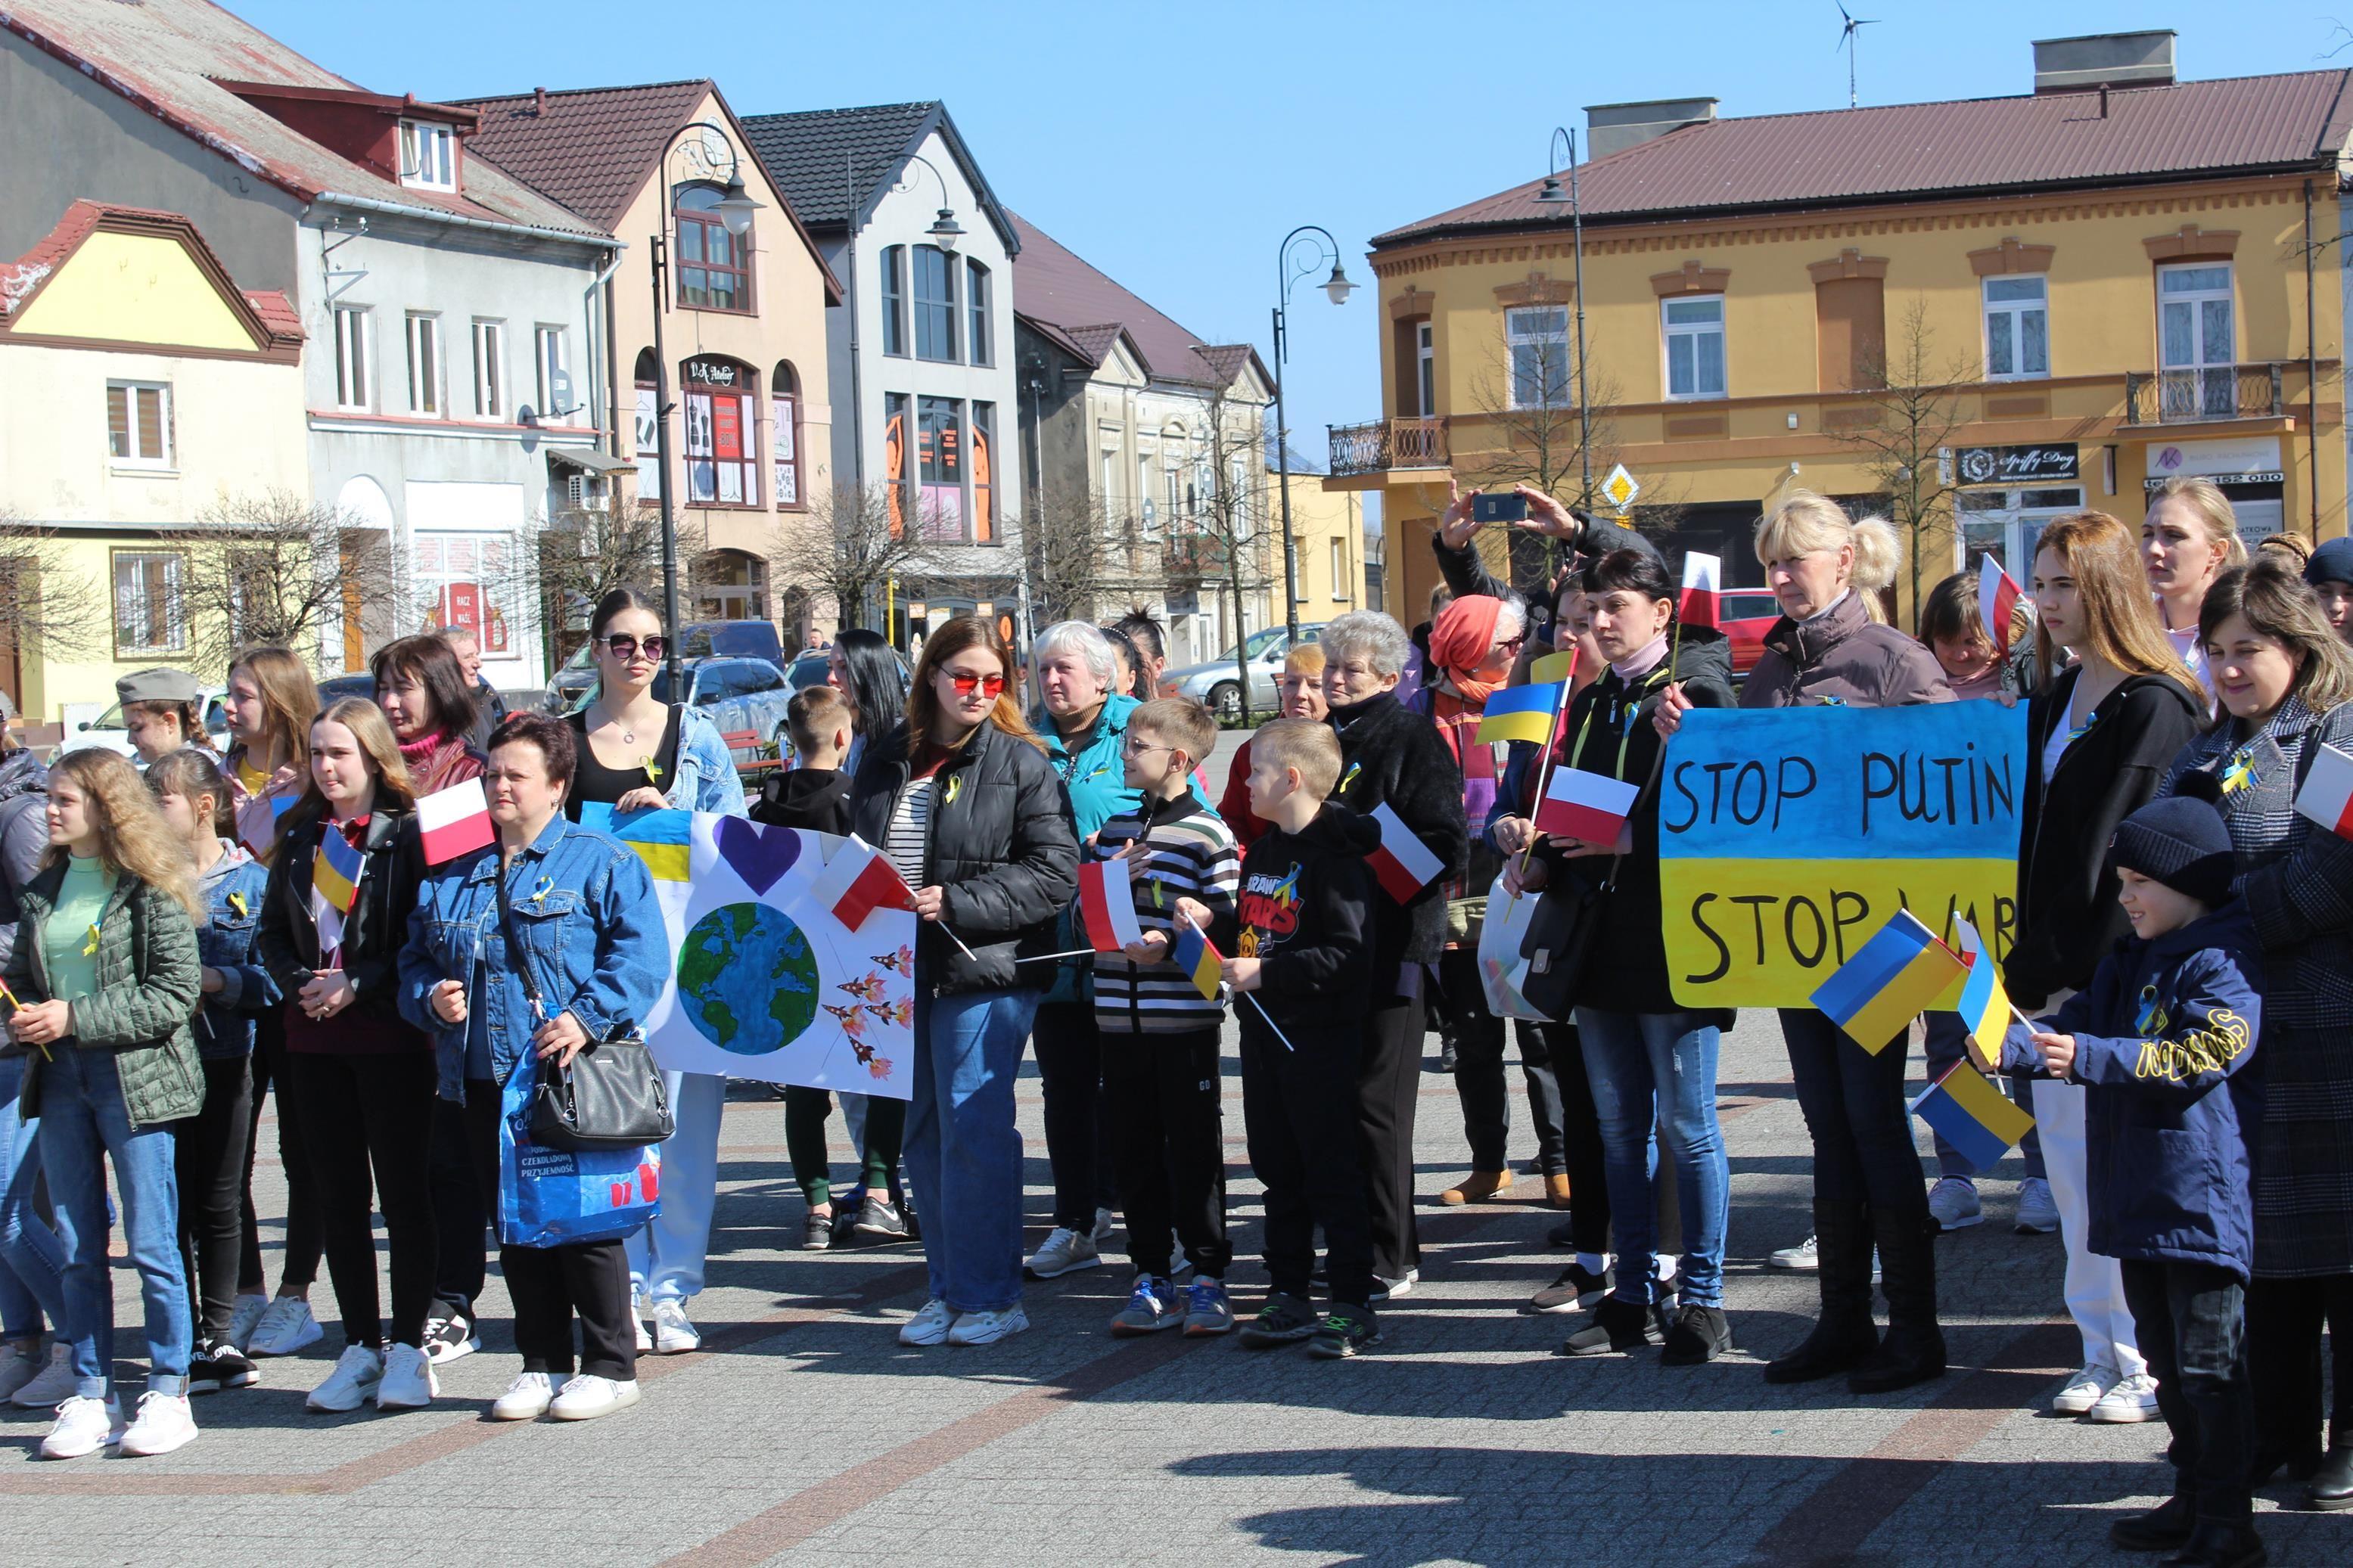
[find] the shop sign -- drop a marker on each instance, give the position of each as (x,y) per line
(2252,460)
(2034,465)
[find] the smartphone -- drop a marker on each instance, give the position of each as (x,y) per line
(1502,507)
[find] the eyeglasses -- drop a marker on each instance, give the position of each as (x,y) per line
(989,685)
(1512,645)
(625,648)
(1134,747)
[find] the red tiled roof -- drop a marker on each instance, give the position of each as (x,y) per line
(171,57)
(269,311)
(1052,285)
(276,312)
(591,148)
(1917,150)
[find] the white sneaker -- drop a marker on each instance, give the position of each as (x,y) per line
(2037,1212)
(20,1365)
(585,1399)
(1103,1228)
(1065,1252)
(285,1329)
(1390,1290)
(929,1326)
(674,1332)
(1801,1255)
(1953,1203)
(2085,1389)
(526,1398)
(53,1384)
(83,1426)
(164,1423)
(988,1327)
(244,1319)
(2132,1399)
(359,1373)
(408,1382)
(639,1310)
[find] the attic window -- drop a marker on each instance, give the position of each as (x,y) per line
(428,156)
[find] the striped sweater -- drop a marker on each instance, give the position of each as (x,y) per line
(1188,852)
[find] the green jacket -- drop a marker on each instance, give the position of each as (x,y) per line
(149,983)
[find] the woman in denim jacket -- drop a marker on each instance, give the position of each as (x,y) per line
(583,906)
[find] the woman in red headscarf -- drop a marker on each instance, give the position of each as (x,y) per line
(1472,645)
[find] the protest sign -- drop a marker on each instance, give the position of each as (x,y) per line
(1786,837)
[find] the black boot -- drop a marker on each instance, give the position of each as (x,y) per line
(1844,1333)
(2216,1545)
(1914,1350)
(2331,1487)
(1615,1328)
(2162,1528)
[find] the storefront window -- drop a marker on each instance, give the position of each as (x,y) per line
(720,409)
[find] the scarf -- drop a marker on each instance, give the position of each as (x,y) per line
(1460,641)
(428,758)
(1643,660)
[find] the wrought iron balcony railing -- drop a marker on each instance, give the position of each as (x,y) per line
(1386,443)
(2191,396)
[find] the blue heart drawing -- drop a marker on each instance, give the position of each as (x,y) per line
(758,857)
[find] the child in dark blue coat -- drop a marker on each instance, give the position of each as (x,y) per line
(2164,1040)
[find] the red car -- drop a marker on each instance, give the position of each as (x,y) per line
(1747,614)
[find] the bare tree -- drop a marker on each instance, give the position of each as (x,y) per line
(848,544)
(1229,534)
(273,566)
(1915,411)
(1527,393)
(1082,551)
(579,555)
(48,604)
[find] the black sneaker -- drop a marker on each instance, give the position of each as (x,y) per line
(2165,1528)
(214,1367)
(878,1219)
(449,1333)
(1618,1327)
(816,1233)
(1576,1287)
(1283,1321)
(1700,1335)
(1344,1331)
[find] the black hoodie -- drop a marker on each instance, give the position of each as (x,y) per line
(816,799)
(1391,754)
(1306,913)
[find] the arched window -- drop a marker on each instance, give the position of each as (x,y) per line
(714,266)
(936,304)
(785,433)
(894,299)
(976,296)
(646,440)
(720,402)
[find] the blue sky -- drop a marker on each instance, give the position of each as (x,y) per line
(1173,146)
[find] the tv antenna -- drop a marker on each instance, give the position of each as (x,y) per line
(1854,24)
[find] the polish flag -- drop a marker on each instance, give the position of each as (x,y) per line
(1403,862)
(455,821)
(1699,605)
(1108,906)
(1998,597)
(858,881)
(2327,796)
(1585,806)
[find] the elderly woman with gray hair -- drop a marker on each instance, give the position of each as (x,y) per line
(1392,755)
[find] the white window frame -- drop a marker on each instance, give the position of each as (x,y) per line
(428,388)
(2005,320)
(490,395)
(1425,345)
(1343,584)
(354,339)
(2205,369)
(133,456)
(176,608)
(1671,331)
(428,155)
(551,354)
(1520,331)
(1147,505)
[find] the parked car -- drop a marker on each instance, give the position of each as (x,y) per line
(810,668)
(106,729)
(701,639)
(743,696)
(1747,614)
(335,688)
(1217,685)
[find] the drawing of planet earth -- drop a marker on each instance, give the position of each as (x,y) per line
(747,979)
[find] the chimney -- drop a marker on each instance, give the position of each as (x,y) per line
(539,102)
(2103,60)
(1614,127)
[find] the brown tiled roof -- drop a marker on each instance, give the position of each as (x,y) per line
(1053,284)
(592,148)
(1847,156)
(169,57)
(268,313)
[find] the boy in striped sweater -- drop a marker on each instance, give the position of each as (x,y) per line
(1160,1033)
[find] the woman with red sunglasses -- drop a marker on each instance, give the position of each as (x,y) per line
(963,799)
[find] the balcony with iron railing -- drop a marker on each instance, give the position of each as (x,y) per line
(2203,396)
(1387,444)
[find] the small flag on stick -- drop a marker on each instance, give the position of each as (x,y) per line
(1555,667)
(1985,1007)
(335,873)
(455,821)
(1973,1116)
(1403,863)
(1585,806)
(1998,597)
(1196,956)
(1522,713)
(1107,906)
(2327,796)
(1701,601)
(858,881)
(1900,971)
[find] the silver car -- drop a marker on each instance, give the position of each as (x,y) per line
(1218,685)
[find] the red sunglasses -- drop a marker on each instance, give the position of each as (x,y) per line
(989,685)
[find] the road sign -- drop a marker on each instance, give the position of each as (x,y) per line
(1621,488)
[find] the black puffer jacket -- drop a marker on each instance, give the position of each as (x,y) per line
(1390,753)
(23,836)
(1001,845)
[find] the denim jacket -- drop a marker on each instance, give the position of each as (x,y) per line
(707,779)
(583,909)
(233,892)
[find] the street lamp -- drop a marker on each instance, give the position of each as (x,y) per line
(1552,192)
(735,207)
(1337,287)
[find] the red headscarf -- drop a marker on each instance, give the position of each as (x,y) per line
(1460,640)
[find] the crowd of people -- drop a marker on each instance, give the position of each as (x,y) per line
(2183,944)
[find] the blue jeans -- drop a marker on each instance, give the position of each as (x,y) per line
(963,1149)
(84,1124)
(1658,1069)
(1945,1046)
(32,1260)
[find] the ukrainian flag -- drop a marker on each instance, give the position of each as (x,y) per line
(1974,1117)
(1198,959)
(336,870)
(1555,667)
(1901,971)
(1522,713)
(1984,1006)
(662,838)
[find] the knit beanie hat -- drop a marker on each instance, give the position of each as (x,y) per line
(2181,843)
(2332,560)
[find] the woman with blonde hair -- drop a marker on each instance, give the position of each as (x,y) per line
(106,974)
(2189,537)
(363,1078)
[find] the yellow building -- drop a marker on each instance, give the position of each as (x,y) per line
(142,394)
(1995,311)
(1328,531)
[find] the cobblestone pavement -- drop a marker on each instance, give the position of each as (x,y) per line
(804,1433)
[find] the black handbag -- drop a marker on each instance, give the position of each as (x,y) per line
(1561,931)
(611,1097)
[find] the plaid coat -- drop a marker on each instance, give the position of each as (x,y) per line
(2297,880)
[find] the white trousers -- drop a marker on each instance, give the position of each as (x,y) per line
(2096,1284)
(666,1258)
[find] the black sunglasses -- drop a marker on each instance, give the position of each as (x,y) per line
(625,648)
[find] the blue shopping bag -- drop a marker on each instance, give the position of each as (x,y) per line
(548,1197)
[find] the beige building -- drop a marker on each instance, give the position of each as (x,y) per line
(1328,531)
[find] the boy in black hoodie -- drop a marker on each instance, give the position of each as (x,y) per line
(2164,1040)
(815,794)
(1301,941)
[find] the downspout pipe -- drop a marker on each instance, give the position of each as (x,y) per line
(2311,370)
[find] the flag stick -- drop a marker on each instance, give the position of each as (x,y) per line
(1252,998)
(1043,957)
(959,940)
(1544,772)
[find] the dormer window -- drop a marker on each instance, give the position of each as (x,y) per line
(428,155)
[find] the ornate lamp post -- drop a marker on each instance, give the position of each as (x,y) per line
(1552,192)
(1290,268)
